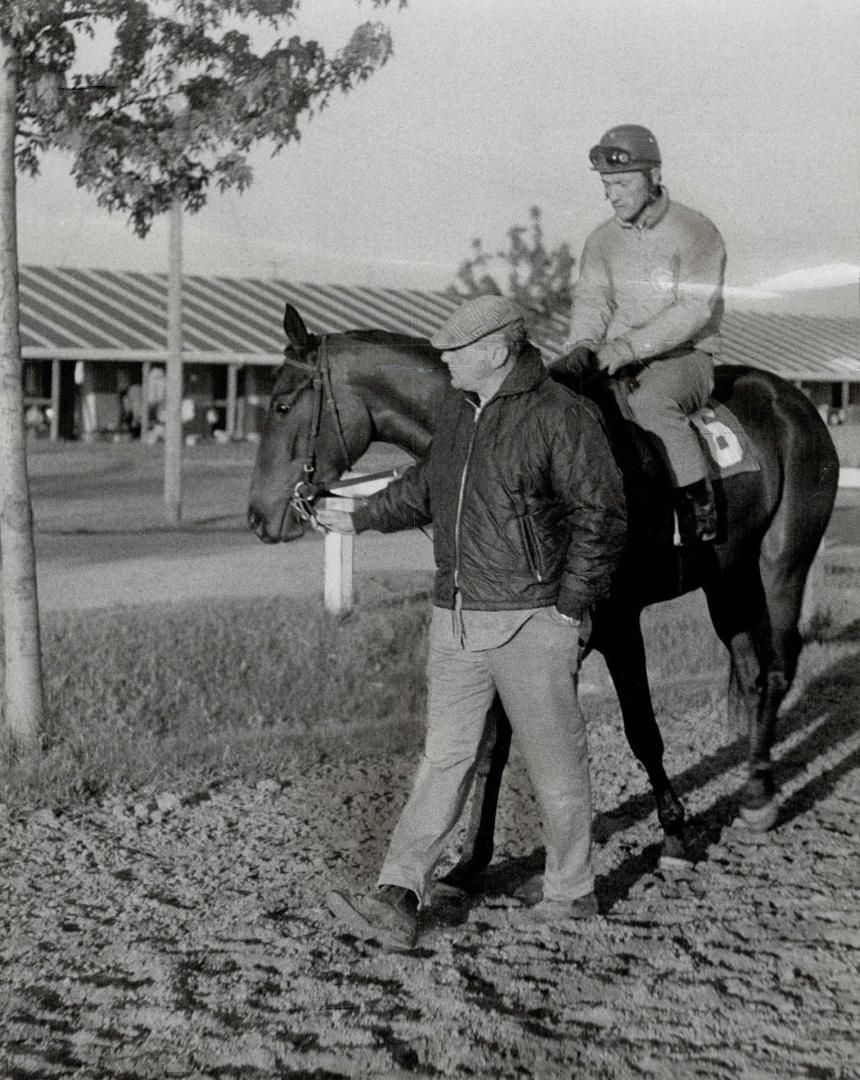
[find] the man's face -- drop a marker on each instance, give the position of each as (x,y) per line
(474,366)
(628,192)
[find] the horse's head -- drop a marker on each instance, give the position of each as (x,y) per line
(315,428)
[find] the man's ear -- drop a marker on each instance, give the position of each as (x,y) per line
(499,355)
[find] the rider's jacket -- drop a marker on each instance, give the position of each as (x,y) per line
(525,498)
(656,284)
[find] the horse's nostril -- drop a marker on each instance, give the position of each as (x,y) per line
(257,523)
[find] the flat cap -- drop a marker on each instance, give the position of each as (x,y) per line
(475,319)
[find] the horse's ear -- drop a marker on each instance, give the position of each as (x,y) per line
(295,329)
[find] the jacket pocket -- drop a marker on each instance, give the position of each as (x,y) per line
(531,546)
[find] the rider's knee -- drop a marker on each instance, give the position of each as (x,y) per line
(646,404)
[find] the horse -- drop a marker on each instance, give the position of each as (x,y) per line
(337,393)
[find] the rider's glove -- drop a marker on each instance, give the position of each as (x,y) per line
(614,355)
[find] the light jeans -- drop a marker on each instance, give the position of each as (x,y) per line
(533,673)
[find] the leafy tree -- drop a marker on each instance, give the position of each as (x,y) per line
(181,98)
(537,278)
(173,109)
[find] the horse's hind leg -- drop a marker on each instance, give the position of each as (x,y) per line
(477,849)
(806,487)
(779,648)
(740,616)
(756,613)
(618,636)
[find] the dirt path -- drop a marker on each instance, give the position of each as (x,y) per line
(183,935)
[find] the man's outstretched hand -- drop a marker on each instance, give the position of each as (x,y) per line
(329,520)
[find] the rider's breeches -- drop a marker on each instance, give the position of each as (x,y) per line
(533,673)
(669,390)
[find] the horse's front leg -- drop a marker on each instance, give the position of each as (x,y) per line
(477,850)
(618,636)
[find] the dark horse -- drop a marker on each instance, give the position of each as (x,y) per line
(336,394)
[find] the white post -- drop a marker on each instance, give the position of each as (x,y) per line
(338,594)
(339,548)
(339,551)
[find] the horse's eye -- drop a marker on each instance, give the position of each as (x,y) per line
(282,408)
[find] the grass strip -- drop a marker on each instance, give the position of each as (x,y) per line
(148,695)
(176,695)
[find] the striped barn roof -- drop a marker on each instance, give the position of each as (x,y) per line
(101,314)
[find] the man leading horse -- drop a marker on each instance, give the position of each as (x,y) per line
(528,520)
(648,302)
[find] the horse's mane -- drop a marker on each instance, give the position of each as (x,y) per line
(385,337)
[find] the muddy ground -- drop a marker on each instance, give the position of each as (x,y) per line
(182,934)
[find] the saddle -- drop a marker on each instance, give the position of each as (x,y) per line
(726,446)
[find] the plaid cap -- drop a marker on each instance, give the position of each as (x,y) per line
(475,319)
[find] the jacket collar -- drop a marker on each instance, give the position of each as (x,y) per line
(652,215)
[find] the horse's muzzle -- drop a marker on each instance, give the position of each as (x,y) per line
(292,527)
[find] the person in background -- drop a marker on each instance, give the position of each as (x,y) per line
(648,302)
(528,520)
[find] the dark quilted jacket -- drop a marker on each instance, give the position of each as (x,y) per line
(525,498)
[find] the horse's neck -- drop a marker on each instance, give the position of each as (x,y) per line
(401,391)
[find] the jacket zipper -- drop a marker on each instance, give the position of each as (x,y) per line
(459,514)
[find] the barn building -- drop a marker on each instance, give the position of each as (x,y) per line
(95,344)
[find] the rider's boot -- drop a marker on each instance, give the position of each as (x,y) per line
(697,513)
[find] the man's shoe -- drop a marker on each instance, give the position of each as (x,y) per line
(557,911)
(390,915)
(696,513)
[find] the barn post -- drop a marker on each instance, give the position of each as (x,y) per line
(55,400)
(145,369)
(232,382)
(173,381)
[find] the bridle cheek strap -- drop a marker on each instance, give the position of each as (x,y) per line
(305,491)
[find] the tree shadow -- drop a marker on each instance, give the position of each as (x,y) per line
(833,694)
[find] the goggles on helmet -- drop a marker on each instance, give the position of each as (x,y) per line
(609,155)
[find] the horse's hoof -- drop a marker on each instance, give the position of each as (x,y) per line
(674,856)
(672,864)
(531,890)
(670,811)
(760,818)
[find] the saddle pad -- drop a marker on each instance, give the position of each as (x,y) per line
(727,448)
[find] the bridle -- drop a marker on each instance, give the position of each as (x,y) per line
(301,499)
(319,372)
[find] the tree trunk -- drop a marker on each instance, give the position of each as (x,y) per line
(173,382)
(23,677)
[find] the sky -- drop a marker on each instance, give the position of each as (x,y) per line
(489,107)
